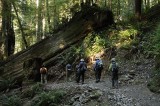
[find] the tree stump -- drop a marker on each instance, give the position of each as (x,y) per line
(31,68)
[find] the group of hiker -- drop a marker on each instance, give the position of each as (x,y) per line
(81,68)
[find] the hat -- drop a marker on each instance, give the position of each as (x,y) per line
(96,58)
(113,60)
(82,60)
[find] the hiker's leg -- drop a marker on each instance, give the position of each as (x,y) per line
(116,83)
(112,82)
(41,79)
(96,75)
(112,79)
(99,76)
(45,78)
(66,75)
(69,74)
(78,77)
(82,77)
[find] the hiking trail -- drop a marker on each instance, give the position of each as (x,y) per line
(132,89)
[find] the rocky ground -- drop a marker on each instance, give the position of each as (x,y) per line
(132,91)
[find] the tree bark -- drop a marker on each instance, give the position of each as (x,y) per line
(1,37)
(39,21)
(20,26)
(7,29)
(48,16)
(138,6)
(110,4)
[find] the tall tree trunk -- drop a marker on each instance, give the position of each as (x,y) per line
(39,23)
(56,16)
(118,9)
(1,37)
(110,4)
(20,25)
(138,5)
(48,16)
(148,4)
(145,4)
(105,3)
(7,29)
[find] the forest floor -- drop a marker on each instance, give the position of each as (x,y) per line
(132,91)
(134,75)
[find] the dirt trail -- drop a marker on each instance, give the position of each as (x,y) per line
(132,90)
(128,95)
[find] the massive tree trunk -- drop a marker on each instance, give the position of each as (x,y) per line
(49,49)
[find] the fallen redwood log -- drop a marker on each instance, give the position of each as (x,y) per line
(19,65)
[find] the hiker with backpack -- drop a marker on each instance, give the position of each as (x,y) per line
(68,71)
(114,72)
(43,71)
(82,67)
(98,67)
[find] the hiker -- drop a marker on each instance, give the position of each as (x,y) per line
(76,72)
(43,71)
(98,67)
(68,71)
(82,67)
(114,70)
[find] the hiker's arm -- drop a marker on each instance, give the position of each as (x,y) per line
(110,66)
(117,65)
(46,69)
(66,67)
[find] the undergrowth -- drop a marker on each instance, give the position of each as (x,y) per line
(154,48)
(51,98)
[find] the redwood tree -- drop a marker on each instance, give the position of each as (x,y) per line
(7,28)
(138,6)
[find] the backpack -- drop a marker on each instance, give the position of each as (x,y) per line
(83,67)
(43,70)
(99,65)
(114,67)
(69,67)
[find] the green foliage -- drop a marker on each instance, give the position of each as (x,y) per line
(125,34)
(153,48)
(13,100)
(51,98)
(95,43)
(157,40)
(6,84)
(154,84)
(124,40)
(32,91)
(152,44)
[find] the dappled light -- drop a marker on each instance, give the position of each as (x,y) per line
(61,46)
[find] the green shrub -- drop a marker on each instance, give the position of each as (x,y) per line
(13,100)
(154,84)
(51,98)
(157,40)
(6,84)
(32,91)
